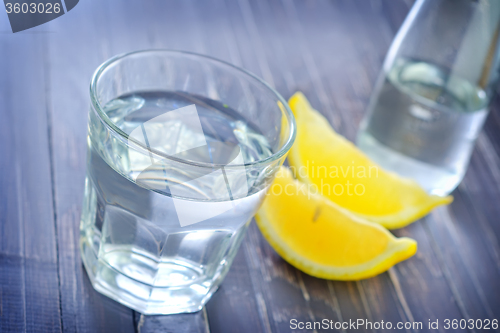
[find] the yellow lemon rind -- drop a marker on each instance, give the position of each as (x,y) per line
(409,215)
(396,250)
(301,108)
(399,249)
(394,221)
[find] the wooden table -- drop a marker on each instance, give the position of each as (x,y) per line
(330,50)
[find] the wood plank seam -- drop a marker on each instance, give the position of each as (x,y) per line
(476,284)
(364,301)
(291,83)
(249,21)
(400,295)
(447,275)
(491,240)
(48,109)
(396,285)
(263,312)
(487,150)
(236,58)
(335,301)
(21,239)
(318,86)
(205,317)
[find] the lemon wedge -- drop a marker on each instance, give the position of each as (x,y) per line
(337,169)
(322,239)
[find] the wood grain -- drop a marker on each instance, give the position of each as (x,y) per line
(29,285)
(83,309)
(330,50)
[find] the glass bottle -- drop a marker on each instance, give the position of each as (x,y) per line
(432,97)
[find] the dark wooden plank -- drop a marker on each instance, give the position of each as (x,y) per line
(391,11)
(281,289)
(461,242)
(276,284)
(370,47)
(238,303)
(120,27)
(260,66)
(456,263)
(29,284)
(423,280)
(322,25)
(167,17)
(324,32)
(466,235)
(492,125)
(78,46)
(375,31)
(330,50)
(482,184)
(444,293)
(235,305)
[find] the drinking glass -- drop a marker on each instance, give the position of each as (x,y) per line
(432,96)
(181,151)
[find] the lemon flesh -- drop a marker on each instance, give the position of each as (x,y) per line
(342,173)
(322,239)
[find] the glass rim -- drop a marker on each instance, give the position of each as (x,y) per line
(103,117)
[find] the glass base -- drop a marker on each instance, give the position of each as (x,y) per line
(156,299)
